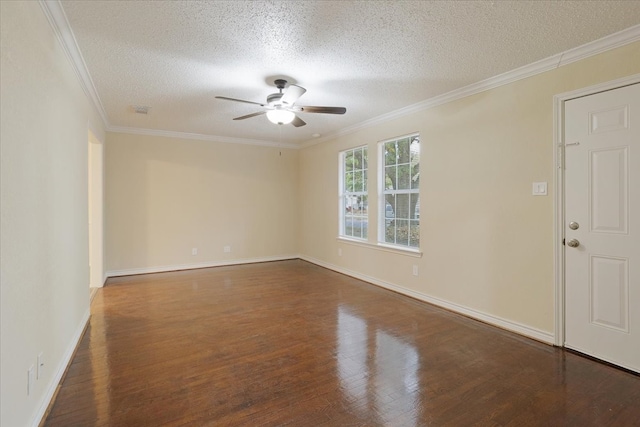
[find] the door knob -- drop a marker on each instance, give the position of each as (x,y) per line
(573,243)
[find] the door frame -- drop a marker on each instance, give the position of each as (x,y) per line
(95,181)
(559,200)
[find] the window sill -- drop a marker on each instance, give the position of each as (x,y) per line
(416,253)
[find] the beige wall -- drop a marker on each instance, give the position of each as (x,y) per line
(165,196)
(43,209)
(487,242)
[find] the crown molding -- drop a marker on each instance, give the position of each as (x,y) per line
(59,23)
(613,41)
(200,137)
(58,20)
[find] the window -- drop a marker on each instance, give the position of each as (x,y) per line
(400,201)
(354,219)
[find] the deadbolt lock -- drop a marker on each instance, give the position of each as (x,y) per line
(574,225)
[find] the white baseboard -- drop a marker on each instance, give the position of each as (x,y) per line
(509,325)
(92,293)
(177,267)
(59,372)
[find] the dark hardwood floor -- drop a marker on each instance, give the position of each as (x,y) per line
(290,343)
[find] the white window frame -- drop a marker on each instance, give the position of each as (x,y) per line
(343,193)
(382,192)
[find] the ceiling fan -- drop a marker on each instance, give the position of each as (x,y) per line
(281,107)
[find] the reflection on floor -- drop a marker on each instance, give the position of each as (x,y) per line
(291,343)
(377,361)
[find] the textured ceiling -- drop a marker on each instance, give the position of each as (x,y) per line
(372,57)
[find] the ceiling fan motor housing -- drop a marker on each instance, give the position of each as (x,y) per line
(274,99)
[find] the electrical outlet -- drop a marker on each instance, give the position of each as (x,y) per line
(194,251)
(40,367)
(29,380)
(415,270)
(339,251)
(227,249)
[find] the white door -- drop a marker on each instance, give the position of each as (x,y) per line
(602,217)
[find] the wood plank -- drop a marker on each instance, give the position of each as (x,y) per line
(291,343)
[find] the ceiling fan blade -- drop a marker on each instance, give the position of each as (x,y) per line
(325,110)
(248,116)
(292,94)
(297,122)
(239,100)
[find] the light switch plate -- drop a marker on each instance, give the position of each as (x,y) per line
(539,189)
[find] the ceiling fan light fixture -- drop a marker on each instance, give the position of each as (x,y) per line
(280,117)
(281,107)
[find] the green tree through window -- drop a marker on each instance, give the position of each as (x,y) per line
(354,203)
(401,192)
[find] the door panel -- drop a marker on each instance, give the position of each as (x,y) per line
(609,202)
(602,196)
(609,287)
